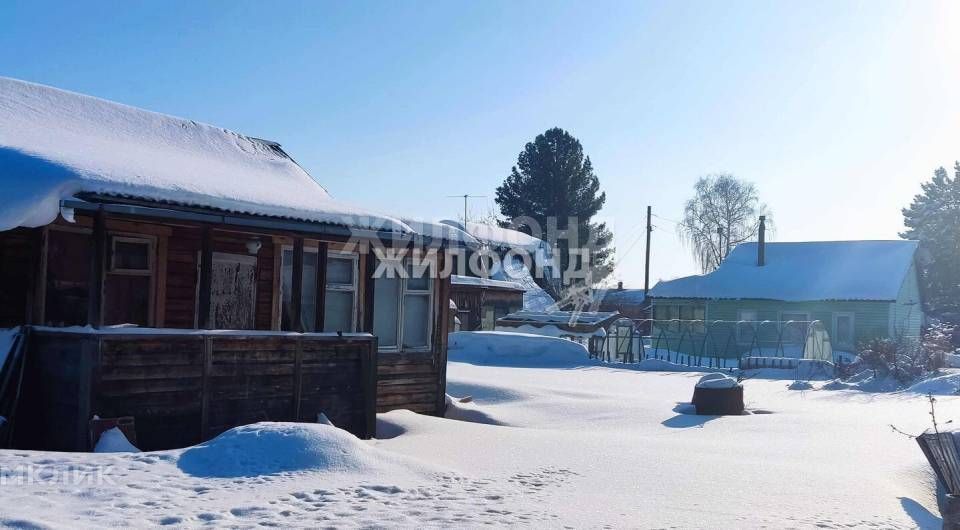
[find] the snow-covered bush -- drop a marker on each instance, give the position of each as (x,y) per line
(906,359)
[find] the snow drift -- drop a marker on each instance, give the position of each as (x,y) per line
(521,350)
(270,448)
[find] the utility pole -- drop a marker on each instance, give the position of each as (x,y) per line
(646,265)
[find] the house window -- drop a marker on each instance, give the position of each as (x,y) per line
(340,299)
(746,326)
(128,282)
(308,291)
(843,331)
(794,326)
(403,309)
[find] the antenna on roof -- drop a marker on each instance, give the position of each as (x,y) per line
(466,197)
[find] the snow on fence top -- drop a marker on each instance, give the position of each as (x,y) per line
(807,271)
(56,144)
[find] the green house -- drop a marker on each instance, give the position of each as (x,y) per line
(765,296)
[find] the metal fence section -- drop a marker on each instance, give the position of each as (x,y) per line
(717,343)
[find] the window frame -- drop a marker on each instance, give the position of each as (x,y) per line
(150,272)
(151,250)
(429,293)
(342,287)
(853,332)
(740,318)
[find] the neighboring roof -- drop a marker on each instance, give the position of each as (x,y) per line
(503,238)
(55,145)
(623,296)
(808,271)
(570,320)
(472,281)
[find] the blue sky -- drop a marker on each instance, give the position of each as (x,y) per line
(835,110)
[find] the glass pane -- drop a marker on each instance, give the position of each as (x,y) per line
(419,277)
(844,329)
(308,303)
(338,311)
(131,255)
(308,298)
(386,297)
(339,271)
(416,320)
(286,286)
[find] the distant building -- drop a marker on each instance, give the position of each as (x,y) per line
(858,290)
(631,303)
(505,288)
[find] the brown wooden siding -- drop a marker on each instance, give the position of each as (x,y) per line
(182,389)
(17,263)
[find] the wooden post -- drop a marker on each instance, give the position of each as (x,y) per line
(322,252)
(206,276)
(296,289)
(298,379)
(368,371)
(207,360)
(368,294)
(97,263)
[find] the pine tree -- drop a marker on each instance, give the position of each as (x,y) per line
(552,182)
(933,218)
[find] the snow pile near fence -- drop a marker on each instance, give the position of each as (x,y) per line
(270,448)
(114,441)
(503,348)
(56,144)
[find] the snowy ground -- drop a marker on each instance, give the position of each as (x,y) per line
(565,446)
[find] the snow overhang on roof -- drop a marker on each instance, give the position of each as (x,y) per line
(501,238)
(472,281)
(57,145)
(801,272)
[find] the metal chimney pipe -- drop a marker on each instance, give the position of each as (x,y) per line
(761,241)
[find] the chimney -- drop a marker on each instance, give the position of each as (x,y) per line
(761,241)
(619,286)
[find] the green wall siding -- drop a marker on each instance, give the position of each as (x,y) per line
(906,314)
(871,319)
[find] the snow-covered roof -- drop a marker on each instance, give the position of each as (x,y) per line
(807,271)
(473,281)
(500,237)
(440,230)
(56,144)
(587,318)
(623,296)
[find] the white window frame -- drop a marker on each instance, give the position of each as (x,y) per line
(355,259)
(431,313)
(853,333)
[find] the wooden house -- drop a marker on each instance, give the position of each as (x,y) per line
(499,277)
(196,279)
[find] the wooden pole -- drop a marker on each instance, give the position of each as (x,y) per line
(322,256)
(296,289)
(206,278)
(97,263)
(368,291)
